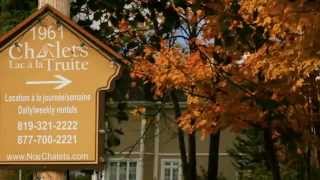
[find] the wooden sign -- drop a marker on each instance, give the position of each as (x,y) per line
(51,74)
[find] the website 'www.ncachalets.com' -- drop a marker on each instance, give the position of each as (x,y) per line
(45,156)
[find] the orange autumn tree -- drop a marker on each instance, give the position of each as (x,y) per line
(274,87)
(198,67)
(172,68)
(287,68)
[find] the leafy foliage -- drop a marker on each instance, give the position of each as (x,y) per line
(248,151)
(242,66)
(249,154)
(240,63)
(13,12)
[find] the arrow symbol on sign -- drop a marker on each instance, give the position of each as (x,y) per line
(61,81)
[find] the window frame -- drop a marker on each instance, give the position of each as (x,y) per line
(127,160)
(163,167)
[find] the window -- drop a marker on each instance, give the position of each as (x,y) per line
(170,169)
(123,169)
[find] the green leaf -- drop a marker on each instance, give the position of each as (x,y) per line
(267,104)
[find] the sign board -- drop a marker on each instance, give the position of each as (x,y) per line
(51,74)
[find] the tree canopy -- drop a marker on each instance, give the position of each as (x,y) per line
(13,12)
(240,63)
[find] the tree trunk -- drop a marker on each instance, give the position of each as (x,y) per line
(308,163)
(61,5)
(315,123)
(68,175)
(213,164)
(182,144)
(271,154)
(318,157)
(192,156)
(183,154)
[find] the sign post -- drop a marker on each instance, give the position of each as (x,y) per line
(52,74)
